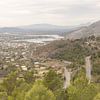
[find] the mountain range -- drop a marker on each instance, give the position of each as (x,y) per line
(70,32)
(38,29)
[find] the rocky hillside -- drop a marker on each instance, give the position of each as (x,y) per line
(93,29)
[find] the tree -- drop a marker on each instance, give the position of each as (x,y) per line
(39,92)
(81,90)
(19,92)
(52,80)
(10,82)
(29,77)
(61,94)
(3,96)
(97,97)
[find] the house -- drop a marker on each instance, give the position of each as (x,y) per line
(24,68)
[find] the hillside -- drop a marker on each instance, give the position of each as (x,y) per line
(74,51)
(60,70)
(93,29)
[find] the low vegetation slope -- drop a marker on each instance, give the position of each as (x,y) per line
(74,51)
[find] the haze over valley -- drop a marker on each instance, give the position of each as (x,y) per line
(40,33)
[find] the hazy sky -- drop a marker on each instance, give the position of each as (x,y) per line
(60,12)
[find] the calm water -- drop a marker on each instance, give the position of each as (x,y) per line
(42,38)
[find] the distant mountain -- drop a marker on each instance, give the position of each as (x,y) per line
(39,29)
(10,30)
(43,26)
(93,29)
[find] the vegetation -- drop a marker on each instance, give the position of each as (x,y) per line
(97,97)
(50,88)
(24,85)
(81,90)
(52,80)
(39,92)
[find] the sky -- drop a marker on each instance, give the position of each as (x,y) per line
(57,12)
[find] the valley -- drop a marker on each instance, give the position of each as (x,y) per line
(68,68)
